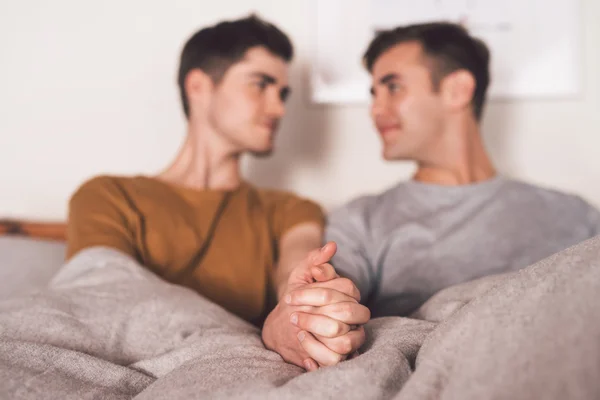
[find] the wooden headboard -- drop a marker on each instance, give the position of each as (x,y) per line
(41,230)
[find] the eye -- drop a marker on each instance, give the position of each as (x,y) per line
(393,87)
(262,84)
(284,94)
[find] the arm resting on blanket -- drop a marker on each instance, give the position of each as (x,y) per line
(311,325)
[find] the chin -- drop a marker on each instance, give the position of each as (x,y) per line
(263,144)
(387,154)
(390,155)
(387,157)
(262,152)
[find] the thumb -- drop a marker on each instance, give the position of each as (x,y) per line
(325,254)
(323,272)
(303,274)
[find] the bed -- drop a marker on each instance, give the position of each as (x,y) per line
(103,327)
(30,254)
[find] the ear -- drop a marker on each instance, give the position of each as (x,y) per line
(198,87)
(458,89)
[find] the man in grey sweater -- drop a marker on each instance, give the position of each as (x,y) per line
(457,219)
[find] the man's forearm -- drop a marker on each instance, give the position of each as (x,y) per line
(293,248)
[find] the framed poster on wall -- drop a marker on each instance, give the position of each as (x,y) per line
(535,44)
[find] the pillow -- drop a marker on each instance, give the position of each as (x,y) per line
(28,264)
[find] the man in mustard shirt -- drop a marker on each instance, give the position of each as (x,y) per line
(199,224)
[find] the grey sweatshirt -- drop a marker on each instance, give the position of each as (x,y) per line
(402,246)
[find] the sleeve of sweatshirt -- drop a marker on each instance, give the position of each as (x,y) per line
(346,227)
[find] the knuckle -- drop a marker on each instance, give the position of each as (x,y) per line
(356,293)
(326,296)
(333,359)
(317,269)
(295,295)
(345,310)
(345,345)
(361,340)
(335,329)
(367,312)
(346,283)
(347,286)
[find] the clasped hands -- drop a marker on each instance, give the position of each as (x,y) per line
(318,320)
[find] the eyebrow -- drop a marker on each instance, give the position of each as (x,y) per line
(268,78)
(385,79)
(284,92)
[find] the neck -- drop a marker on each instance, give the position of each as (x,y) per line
(461,158)
(204,162)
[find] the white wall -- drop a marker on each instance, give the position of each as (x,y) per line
(88,87)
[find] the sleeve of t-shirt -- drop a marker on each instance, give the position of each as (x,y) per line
(97,217)
(346,227)
(288,210)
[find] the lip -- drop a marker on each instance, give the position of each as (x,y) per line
(270,126)
(386,130)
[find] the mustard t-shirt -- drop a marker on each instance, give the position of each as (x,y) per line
(164,226)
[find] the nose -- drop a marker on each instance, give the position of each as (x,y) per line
(378,106)
(276,105)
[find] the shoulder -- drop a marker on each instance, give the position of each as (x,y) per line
(101,188)
(558,202)
(545,194)
(113,184)
(102,182)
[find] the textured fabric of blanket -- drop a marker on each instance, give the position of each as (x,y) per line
(533,334)
(106,328)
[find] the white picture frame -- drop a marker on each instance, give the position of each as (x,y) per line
(535,45)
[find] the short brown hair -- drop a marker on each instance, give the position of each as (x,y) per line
(216,48)
(450,48)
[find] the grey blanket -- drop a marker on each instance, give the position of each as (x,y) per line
(106,328)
